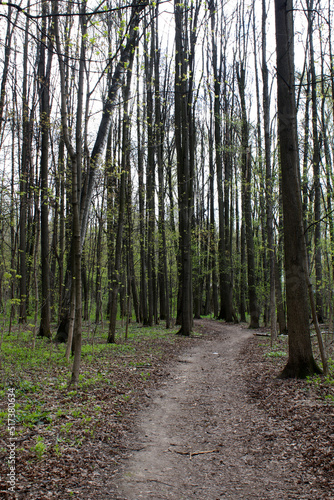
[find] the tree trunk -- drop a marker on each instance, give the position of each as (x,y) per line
(269,177)
(126,53)
(226,310)
(300,362)
(163,270)
(121,207)
(25,160)
(141,196)
(44,71)
(212,249)
(150,183)
(183,172)
(247,205)
(316,171)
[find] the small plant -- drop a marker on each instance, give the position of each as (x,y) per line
(40,448)
(31,417)
(67,427)
(76,413)
(145,376)
(58,450)
(275,354)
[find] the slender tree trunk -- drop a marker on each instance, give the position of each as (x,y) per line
(26,131)
(150,183)
(131,265)
(111,190)
(183,172)
(163,270)
(247,206)
(44,70)
(269,177)
(11,24)
(121,207)
(212,228)
(76,206)
(98,278)
(126,54)
(222,186)
(316,171)
(141,195)
(329,167)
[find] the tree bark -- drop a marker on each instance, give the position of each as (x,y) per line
(141,196)
(150,182)
(269,176)
(183,172)
(121,207)
(316,171)
(44,74)
(160,122)
(246,170)
(300,362)
(25,159)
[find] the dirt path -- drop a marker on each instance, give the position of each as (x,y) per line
(201,437)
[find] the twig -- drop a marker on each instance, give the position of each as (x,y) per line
(193,453)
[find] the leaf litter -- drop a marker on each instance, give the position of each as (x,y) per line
(83,435)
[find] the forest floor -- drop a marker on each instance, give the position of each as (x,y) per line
(201,418)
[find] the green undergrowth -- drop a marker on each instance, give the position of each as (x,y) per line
(50,416)
(324,383)
(275,350)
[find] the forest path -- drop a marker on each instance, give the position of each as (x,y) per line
(201,437)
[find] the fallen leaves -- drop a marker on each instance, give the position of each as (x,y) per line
(300,407)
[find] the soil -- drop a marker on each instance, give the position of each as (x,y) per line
(202,436)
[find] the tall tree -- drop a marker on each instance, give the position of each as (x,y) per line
(127,47)
(300,362)
(24,177)
(159,133)
(141,196)
(316,166)
(222,156)
(183,98)
(150,176)
(116,281)
(75,154)
(246,171)
(44,76)
(269,176)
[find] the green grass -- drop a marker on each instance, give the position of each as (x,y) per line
(40,376)
(327,380)
(276,354)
